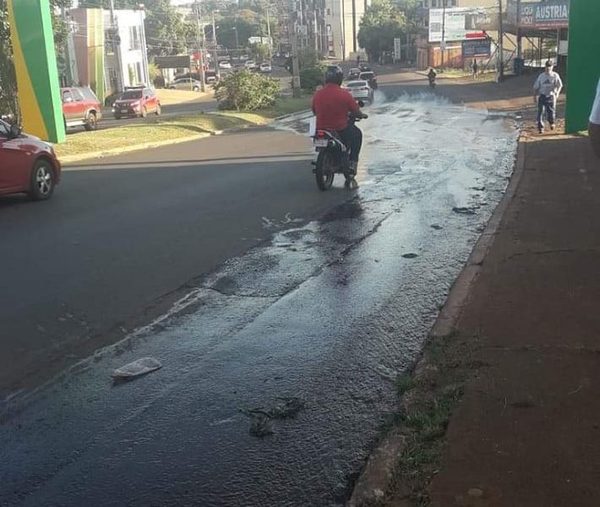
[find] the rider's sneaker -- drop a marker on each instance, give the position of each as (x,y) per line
(352,167)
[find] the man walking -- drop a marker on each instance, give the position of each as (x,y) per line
(546,90)
(595,123)
(475,68)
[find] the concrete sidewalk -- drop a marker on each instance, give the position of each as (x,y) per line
(519,338)
(527,431)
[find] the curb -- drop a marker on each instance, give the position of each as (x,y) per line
(375,478)
(290,116)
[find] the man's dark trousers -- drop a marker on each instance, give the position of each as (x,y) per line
(352,137)
(546,102)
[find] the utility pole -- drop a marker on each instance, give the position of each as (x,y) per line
(269,33)
(215,52)
(295,63)
(316,32)
(116,44)
(199,47)
(519,37)
(500,43)
(443,41)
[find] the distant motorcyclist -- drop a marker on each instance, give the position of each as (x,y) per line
(332,106)
(431,75)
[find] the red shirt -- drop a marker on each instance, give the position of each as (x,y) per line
(331,105)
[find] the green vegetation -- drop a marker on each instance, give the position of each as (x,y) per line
(382,22)
(246,91)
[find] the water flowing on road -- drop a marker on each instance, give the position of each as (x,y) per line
(316,323)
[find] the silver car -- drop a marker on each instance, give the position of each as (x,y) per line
(186,83)
(360,90)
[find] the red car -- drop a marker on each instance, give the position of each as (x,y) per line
(81,107)
(136,101)
(26,164)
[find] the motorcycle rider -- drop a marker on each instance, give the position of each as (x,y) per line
(431,75)
(332,105)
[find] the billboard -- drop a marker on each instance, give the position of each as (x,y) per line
(460,22)
(545,15)
(475,48)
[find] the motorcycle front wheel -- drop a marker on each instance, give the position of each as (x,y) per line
(325,170)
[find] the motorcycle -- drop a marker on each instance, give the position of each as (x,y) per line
(333,157)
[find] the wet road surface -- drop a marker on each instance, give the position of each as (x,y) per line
(325,313)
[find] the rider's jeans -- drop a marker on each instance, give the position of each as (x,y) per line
(352,137)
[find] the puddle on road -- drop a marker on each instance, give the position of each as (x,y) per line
(328,313)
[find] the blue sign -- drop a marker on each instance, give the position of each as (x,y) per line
(476,47)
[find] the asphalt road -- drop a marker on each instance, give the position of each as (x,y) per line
(121,234)
(271,296)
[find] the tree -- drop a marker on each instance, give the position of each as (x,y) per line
(244,90)
(260,52)
(226,33)
(380,25)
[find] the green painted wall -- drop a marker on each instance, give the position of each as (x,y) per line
(35,66)
(583,62)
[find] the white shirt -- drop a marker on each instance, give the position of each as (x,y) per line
(595,116)
(548,84)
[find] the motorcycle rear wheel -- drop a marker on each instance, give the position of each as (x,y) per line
(325,170)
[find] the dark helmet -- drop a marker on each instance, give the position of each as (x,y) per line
(334,74)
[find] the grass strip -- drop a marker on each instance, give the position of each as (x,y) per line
(171,129)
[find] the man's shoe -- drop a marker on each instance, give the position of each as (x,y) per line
(541,130)
(552,126)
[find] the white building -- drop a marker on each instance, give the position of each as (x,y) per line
(132,56)
(342,21)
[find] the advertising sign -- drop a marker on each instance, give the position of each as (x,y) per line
(475,48)
(397,49)
(459,22)
(541,15)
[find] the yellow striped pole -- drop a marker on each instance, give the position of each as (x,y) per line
(35,65)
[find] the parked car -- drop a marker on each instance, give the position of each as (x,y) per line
(80,107)
(369,76)
(186,83)
(225,65)
(27,165)
(210,77)
(136,101)
(360,90)
(250,64)
(265,67)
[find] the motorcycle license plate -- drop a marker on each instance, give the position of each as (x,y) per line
(320,143)
(124,111)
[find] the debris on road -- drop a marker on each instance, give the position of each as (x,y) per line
(410,255)
(261,418)
(463,210)
(136,368)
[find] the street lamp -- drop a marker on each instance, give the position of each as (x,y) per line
(237,42)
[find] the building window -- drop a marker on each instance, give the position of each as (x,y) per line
(140,75)
(135,41)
